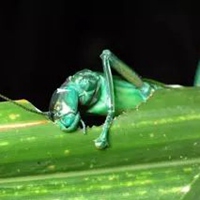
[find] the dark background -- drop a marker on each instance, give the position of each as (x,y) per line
(43,42)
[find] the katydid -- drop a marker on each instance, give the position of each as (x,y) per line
(102,94)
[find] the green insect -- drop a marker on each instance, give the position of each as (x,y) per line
(101,94)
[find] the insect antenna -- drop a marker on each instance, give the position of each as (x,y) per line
(24,107)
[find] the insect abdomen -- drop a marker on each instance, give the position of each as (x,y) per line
(127,97)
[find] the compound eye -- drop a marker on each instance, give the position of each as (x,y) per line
(58,107)
(58,110)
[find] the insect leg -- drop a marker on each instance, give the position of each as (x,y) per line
(129,74)
(110,60)
(123,69)
(102,141)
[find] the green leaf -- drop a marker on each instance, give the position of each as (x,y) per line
(154,153)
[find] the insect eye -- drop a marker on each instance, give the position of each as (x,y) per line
(57,110)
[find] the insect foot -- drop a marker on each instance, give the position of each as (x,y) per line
(101,143)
